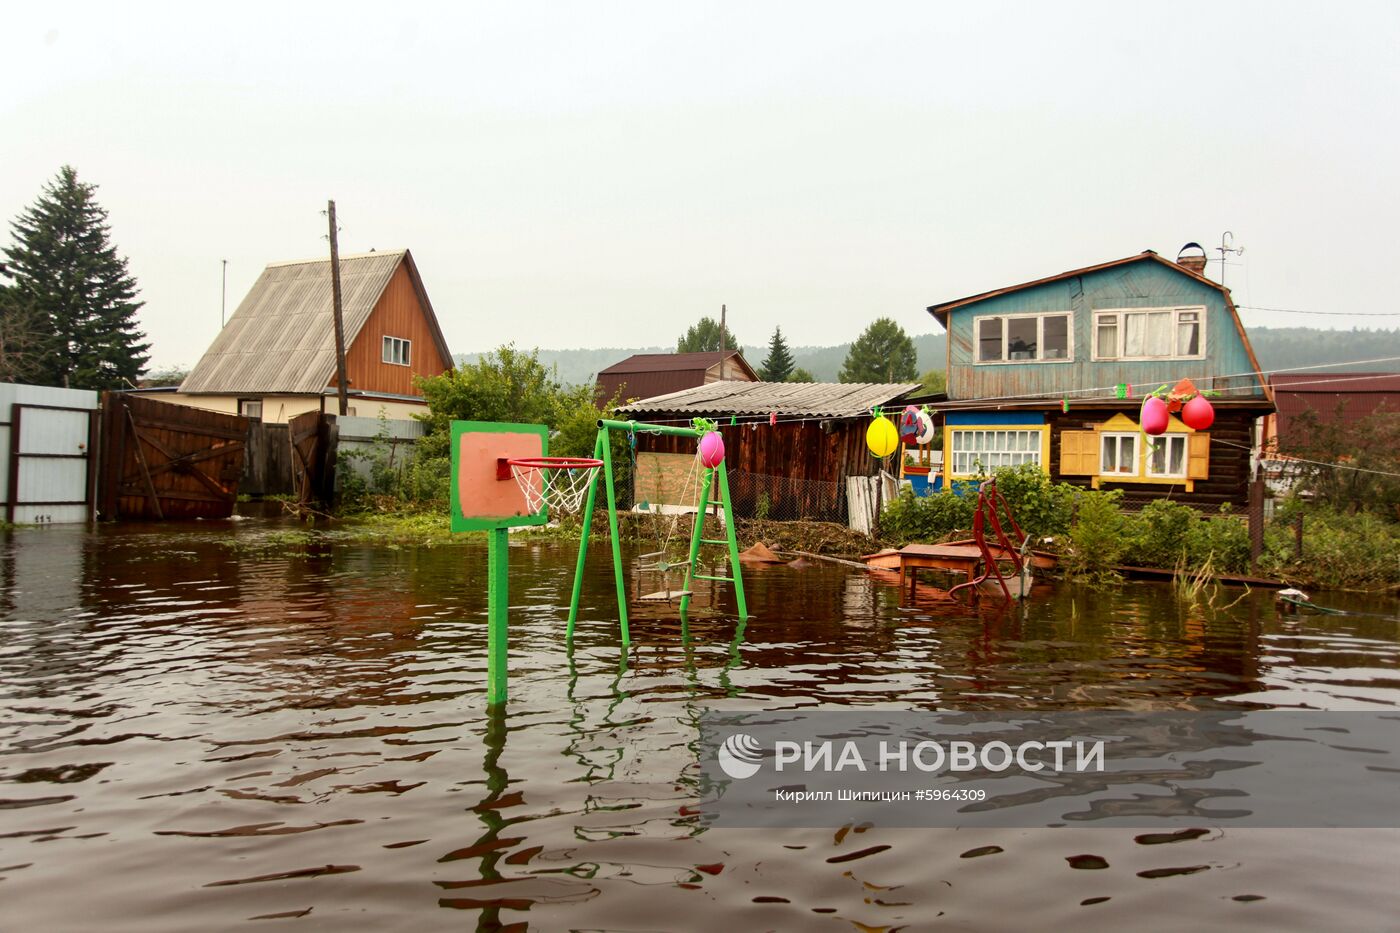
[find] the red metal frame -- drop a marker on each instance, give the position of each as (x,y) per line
(989,502)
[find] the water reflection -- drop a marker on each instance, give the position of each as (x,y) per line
(198,728)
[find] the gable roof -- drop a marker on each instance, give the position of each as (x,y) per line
(281,339)
(643,375)
(940,311)
(814,399)
(672,362)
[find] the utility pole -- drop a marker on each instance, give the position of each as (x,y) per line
(223,294)
(722,311)
(340,382)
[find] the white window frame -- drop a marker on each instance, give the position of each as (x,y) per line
(1168,439)
(246,406)
(1040,317)
(1119,437)
(1119,316)
(399,347)
(997,452)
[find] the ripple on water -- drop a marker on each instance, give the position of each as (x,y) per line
(229,734)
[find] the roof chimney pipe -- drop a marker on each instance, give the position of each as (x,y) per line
(1192,261)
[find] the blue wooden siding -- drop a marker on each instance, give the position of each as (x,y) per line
(994,417)
(1145,284)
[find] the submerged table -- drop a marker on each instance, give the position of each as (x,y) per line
(954,558)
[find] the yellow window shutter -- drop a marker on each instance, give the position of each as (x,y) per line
(1079,453)
(1198,456)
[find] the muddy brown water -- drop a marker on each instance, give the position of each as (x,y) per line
(194,736)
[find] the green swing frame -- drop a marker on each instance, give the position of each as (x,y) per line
(713,480)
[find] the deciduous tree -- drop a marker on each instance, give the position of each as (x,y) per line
(884,353)
(704,336)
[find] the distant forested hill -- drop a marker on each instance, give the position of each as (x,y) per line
(1277,348)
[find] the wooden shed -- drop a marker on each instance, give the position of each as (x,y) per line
(789,445)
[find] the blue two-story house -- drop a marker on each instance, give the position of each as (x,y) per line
(1035,374)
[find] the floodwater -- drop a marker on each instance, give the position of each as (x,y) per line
(194,736)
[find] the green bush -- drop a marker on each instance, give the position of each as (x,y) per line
(1157,536)
(1344,551)
(1040,507)
(1223,540)
(926,518)
(1098,536)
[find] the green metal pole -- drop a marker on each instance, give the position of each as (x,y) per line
(732,533)
(583,540)
(696,534)
(616,544)
(497,612)
(648,428)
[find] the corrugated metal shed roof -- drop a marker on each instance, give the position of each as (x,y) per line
(644,375)
(282,337)
(813,399)
(670,362)
(1341,397)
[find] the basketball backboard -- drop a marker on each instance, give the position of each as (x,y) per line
(484,493)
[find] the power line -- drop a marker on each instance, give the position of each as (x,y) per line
(1337,313)
(1292,459)
(994,403)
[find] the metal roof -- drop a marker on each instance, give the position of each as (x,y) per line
(1336,398)
(282,336)
(670,362)
(645,375)
(814,399)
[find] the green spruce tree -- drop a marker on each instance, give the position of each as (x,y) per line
(778,365)
(704,336)
(884,353)
(68,274)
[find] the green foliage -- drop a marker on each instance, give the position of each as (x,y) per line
(704,336)
(800,375)
(884,353)
(504,385)
(23,337)
(77,288)
(934,381)
(1041,508)
(926,519)
(1345,551)
(1097,536)
(1169,534)
(1366,454)
(778,365)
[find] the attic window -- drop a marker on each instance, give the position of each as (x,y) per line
(396,351)
(1150,334)
(1023,338)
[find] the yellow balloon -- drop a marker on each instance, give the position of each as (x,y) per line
(882,437)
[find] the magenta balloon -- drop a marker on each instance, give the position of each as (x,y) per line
(1154,415)
(712,449)
(1198,413)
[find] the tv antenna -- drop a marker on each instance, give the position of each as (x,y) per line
(1227,247)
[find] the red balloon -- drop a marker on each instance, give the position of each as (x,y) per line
(1199,413)
(1154,416)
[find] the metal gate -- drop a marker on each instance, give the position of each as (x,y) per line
(50,435)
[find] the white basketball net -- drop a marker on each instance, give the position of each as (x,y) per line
(560,488)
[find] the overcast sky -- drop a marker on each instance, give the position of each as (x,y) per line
(603,174)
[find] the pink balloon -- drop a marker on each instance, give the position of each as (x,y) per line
(1154,415)
(1198,413)
(712,449)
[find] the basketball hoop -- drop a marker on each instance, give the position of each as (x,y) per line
(559,482)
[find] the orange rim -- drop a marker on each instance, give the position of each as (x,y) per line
(556,463)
